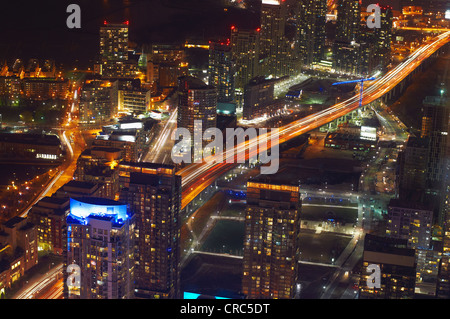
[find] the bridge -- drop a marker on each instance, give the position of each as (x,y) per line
(198,176)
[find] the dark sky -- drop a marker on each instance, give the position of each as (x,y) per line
(38,28)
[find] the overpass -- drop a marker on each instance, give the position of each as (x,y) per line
(198,176)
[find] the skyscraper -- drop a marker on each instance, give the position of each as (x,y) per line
(348,20)
(271,242)
(197,109)
(273,19)
(435,126)
(413,169)
(245,49)
(443,288)
(311,30)
(153,193)
(114,50)
(346,47)
(274,46)
(383,36)
(221,70)
(100,241)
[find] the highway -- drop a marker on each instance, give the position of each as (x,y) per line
(32,290)
(197,176)
(160,151)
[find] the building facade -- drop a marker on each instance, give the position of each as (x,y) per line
(271,242)
(100,243)
(153,193)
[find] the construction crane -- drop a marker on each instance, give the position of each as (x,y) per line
(361,81)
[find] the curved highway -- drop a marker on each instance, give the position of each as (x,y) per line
(196,177)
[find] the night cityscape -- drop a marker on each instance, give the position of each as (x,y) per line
(239,151)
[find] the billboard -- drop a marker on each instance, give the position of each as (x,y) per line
(368,133)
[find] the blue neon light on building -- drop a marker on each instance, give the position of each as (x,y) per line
(82,208)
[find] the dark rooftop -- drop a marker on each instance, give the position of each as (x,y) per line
(13,221)
(98,201)
(29,138)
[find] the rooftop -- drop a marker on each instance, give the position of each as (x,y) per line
(29,138)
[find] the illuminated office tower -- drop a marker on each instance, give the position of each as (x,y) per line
(153,193)
(245,49)
(221,70)
(197,105)
(100,241)
(271,242)
(397,268)
(311,30)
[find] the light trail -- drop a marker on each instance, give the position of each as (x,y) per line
(163,137)
(196,177)
(30,292)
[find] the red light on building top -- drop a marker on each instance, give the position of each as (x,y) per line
(232,27)
(105,23)
(127,22)
(258,29)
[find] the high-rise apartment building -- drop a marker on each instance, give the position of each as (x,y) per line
(245,48)
(410,221)
(100,241)
(443,288)
(221,70)
(113,51)
(197,110)
(384,36)
(273,19)
(435,126)
(348,20)
(271,242)
(311,30)
(275,49)
(348,51)
(153,193)
(397,268)
(412,176)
